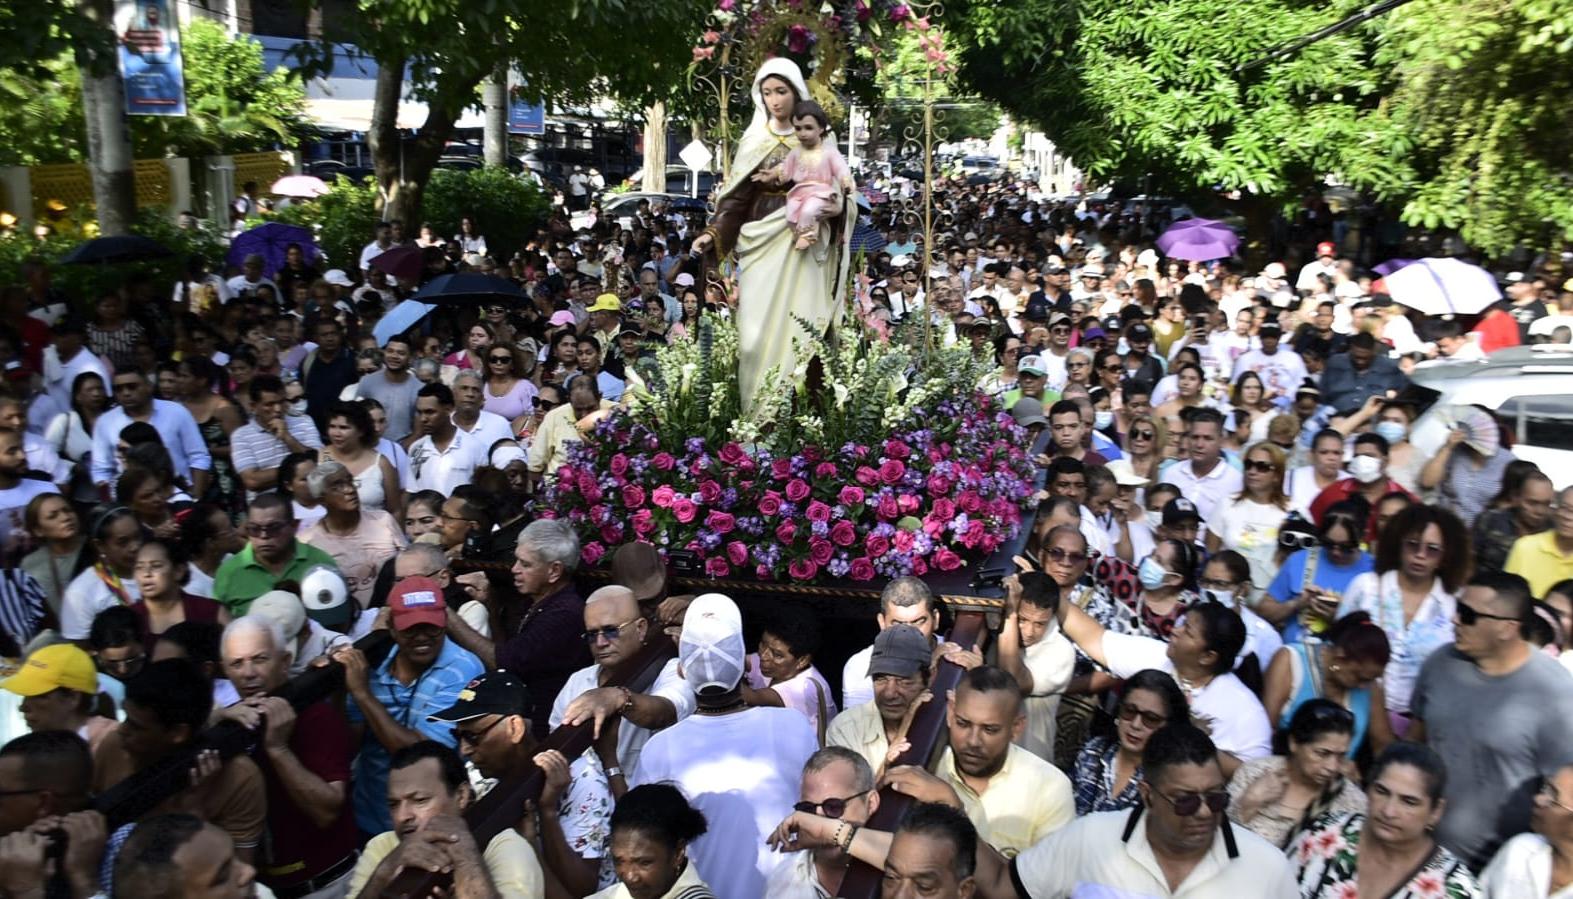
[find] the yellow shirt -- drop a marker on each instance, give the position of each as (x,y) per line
(1536,559)
(862,730)
(1026,801)
(549,446)
(514,869)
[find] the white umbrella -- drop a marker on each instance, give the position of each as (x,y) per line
(1443,287)
(305,186)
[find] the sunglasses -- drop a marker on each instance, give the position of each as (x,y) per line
(1153,720)
(1259,465)
(474,737)
(608,633)
(1188,804)
(1348,546)
(1144,435)
(1113,369)
(502,359)
(1468,615)
(546,404)
(830,808)
(1424,550)
(1297,540)
(1063,556)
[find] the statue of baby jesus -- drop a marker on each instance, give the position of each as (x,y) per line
(817,172)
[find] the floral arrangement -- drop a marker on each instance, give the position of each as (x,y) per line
(895,465)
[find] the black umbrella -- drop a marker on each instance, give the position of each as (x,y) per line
(469,289)
(110,250)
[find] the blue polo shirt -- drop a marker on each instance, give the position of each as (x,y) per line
(436,689)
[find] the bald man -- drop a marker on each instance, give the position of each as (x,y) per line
(615,630)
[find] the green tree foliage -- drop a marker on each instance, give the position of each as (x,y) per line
(233,103)
(344,219)
(83,284)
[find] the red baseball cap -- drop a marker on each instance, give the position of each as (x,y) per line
(1325,248)
(417,600)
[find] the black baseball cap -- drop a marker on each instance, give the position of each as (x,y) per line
(493,693)
(1179,510)
(1269,327)
(1139,331)
(901,650)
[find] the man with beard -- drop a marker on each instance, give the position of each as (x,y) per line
(389,706)
(899,667)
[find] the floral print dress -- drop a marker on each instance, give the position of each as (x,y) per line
(1325,859)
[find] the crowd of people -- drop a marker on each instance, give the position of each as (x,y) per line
(1259,643)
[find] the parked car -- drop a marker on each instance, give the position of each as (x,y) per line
(618,206)
(1530,388)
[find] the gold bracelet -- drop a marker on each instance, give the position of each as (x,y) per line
(852,832)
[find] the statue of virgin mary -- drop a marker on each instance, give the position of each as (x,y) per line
(777,284)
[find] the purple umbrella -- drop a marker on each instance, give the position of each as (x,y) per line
(271,241)
(1392,265)
(1199,240)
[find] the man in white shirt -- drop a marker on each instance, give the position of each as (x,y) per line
(68,357)
(246,283)
(187,450)
(839,783)
(1204,477)
(1323,264)
(738,765)
(15,493)
(1282,371)
(444,458)
(899,667)
(905,600)
(908,296)
(481,428)
(615,632)
(382,244)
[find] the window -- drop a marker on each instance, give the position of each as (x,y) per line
(1540,420)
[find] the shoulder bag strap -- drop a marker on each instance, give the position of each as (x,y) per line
(819,695)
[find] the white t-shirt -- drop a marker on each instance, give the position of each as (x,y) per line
(1091,858)
(1303,489)
(1051,661)
(489,428)
(1250,528)
(85,597)
(1239,723)
(742,770)
(631,738)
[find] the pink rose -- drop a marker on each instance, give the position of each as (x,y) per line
(973,535)
(709,492)
(907,503)
(633,496)
(737,552)
(895,449)
(663,462)
(817,511)
(612,532)
(684,509)
(888,508)
(715,566)
(919,568)
(876,545)
(732,454)
(892,470)
(820,550)
(862,569)
(586,481)
(770,503)
(797,490)
(643,522)
(720,522)
(786,531)
(903,541)
(944,510)
(851,495)
(663,497)
(945,560)
(938,485)
(763,572)
(781,469)
(592,493)
(592,553)
(843,533)
(803,569)
(619,465)
(866,476)
(969,501)
(826,471)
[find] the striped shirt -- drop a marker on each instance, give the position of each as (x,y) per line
(253,448)
(22,607)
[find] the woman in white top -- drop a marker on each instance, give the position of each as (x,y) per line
(782,673)
(1307,482)
(509,392)
(107,582)
(352,442)
(1423,557)
(654,823)
(1249,524)
(1538,865)
(70,434)
(468,239)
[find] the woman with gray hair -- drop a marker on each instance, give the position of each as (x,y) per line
(358,539)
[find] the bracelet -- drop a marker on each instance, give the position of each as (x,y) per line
(852,833)
(613,771)
(628,701)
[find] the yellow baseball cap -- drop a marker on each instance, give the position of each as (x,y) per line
(607,302)
(53,667)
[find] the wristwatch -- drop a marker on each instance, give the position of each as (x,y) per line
(613,771)
(628,701)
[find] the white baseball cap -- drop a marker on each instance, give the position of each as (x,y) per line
(336,276)
(711,651)
(282,607)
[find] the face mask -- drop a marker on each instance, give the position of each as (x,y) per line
(1221,597)
(1154,518)
(1101,419)
(1391,431)
(1152,573)
(1366,469)
(298,407)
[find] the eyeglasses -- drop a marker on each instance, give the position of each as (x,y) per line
(500,359)
(830,808)
(474,737)
(123,666)
(266,530)
(1259,465)
(1113,369)
(1077,364)
(1144,435)
(1468,615)
(1063,556)
(1296,540)
(609,633)
(1210,583)
(1188,804)
(1424,550)
(1153,720)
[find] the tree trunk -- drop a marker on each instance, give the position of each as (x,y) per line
(404,166)
(108,138)
(383,137)
(495,95)
(655,148)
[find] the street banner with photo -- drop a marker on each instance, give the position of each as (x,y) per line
(150,64)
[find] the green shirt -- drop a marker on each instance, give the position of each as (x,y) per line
(242,578)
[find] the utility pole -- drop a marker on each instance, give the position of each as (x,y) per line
(108,136)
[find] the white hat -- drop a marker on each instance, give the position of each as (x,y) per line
(711,650)
(325,596)
(1125,475)
(338,278)
(281,607)
(684,279)
(900,261)
(1276,271)
(1148,258)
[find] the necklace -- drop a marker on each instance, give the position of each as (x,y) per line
(724,709)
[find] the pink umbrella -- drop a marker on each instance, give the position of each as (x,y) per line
(1198,240)
(307,186)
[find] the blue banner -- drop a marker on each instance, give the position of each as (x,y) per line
(524,118)
(149,38)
